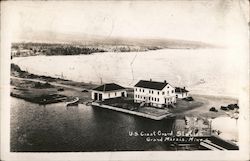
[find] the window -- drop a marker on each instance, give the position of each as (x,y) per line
(144,97)
(115,93)
(163,93)
(157,99)
(152,92)
(149,91)
(168,87)
(158,93)
(109,94)
(143,90)
(168,92)
(140,90)
(135,89)
(172,91)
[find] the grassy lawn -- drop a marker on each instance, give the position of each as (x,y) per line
(153,111)
(183,106)
(128,103)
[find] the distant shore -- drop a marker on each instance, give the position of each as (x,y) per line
(104,44)
(47,49)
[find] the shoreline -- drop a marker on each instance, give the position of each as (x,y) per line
(41,100)
(199,111)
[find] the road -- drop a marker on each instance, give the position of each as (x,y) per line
(52,83)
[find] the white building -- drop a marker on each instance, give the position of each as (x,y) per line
(107,91)
(181,92)
(157,94)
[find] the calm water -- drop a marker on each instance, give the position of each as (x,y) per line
(84,128)
(203,71)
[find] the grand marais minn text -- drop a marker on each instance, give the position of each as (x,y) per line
(166,136)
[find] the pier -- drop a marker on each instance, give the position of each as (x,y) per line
(131,112)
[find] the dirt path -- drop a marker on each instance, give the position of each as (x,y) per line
(209,102)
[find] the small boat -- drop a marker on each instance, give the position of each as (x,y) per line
(73,102)
(89,103)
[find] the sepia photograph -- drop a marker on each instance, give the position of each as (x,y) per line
(81,77)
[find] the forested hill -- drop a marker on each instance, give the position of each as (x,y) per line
(64,44)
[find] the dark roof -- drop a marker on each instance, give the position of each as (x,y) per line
(180,90)
(108,87)
(151,84)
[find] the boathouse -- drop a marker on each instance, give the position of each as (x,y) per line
(107,91)
(181,92)
(158,94)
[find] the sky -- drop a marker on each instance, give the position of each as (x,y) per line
(200,20)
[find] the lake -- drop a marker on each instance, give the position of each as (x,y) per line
(202,71)
(82,128)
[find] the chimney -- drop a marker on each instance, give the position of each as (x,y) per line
(165,81)
(184,87)
(150,80)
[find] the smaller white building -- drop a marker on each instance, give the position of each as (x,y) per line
(181,92)
(107,91)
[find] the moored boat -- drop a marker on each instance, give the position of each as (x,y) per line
(73,102)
